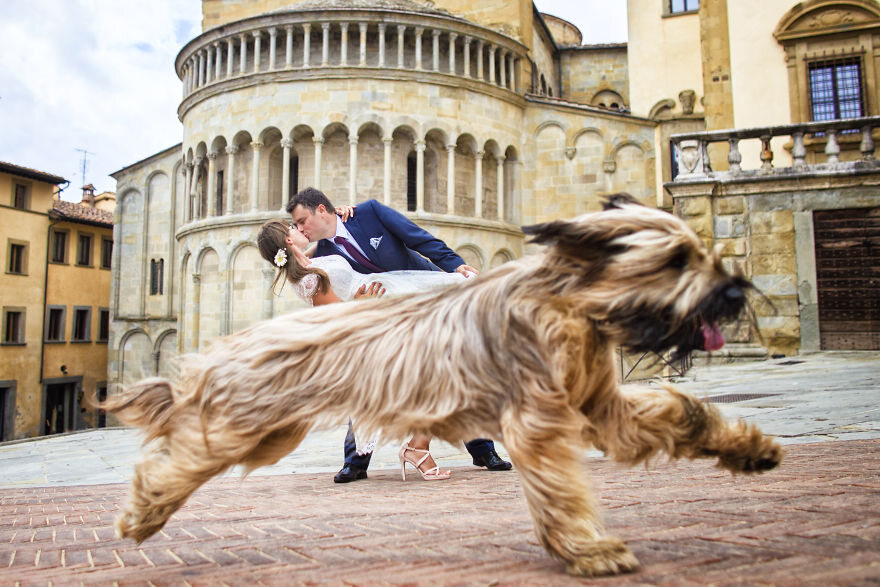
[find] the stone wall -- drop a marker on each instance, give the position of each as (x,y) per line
(589,71)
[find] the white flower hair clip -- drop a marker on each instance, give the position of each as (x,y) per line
(281,258)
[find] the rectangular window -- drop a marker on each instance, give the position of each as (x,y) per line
(157,277)
(17,259)
(82,322)
(836,89)
(21,198)
(55,323)
(676,6)
(84,250)
(59,246)
(106,253)
(13,325)
(103,325)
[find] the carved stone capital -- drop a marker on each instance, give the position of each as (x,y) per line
(231,150)
(286,143)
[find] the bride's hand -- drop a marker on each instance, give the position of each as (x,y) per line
(345,212)
(375,290)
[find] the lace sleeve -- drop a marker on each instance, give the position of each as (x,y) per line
(307,287)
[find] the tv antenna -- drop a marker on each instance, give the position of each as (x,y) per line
(85,157)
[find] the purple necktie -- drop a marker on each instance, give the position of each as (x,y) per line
(357,255)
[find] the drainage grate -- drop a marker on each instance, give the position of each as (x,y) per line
(792,362)
(730,398)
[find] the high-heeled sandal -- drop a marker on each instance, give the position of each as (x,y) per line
(432,474)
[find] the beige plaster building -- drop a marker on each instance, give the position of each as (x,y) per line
(55,298)
(473,119)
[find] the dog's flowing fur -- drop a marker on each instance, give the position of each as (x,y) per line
(524,353)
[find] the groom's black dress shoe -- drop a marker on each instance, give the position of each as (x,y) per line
(348,473)
(491,461)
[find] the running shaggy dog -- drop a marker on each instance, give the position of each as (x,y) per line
(524,353)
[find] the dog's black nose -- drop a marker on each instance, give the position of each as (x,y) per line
(733,293)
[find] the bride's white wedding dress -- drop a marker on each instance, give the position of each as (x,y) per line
(345,281)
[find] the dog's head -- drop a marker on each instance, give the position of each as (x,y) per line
(644,277)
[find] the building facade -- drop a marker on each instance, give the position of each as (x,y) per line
(55,297)
(471,118)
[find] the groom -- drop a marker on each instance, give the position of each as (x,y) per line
(376,240)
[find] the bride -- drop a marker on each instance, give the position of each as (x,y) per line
(328,279)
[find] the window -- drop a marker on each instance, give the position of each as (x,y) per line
(17,258)
(106,253)
(21,197)
(157,277)
(676,6)
(103,325)
(59,246)
(219,202)
(55,323)
(13,325)
(84,250)
(82,322)
(836,89)
(411,182)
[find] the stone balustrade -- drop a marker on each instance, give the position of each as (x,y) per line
(692,149)
(303,44)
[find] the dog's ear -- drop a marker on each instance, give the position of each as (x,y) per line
(584,240)
(619,200)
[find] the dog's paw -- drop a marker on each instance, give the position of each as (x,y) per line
(605,556)
(751,452)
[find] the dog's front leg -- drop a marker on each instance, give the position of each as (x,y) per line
(542,445)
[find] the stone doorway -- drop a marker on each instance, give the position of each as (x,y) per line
(847,246)
(59,407)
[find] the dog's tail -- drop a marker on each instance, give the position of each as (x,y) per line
(147,404)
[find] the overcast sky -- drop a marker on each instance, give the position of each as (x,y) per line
(99,75)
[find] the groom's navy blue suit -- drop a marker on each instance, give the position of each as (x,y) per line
(393,242)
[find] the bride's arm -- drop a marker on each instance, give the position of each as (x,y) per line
(322,299)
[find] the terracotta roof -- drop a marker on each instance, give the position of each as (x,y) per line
(29,173)
(80,213)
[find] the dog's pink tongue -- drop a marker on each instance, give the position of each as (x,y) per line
(712,337)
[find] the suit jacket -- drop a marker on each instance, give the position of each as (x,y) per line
(393,242)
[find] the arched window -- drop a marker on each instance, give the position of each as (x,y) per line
(411,182)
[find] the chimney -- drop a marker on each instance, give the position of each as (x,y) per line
(88,198)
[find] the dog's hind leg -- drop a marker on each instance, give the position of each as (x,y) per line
(566,516)
(275,445)
(632,427)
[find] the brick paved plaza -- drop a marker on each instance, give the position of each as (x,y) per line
(814,521)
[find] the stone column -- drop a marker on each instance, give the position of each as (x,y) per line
(500,197)
(288,46)
(230,55)
(197,296)
(212,180)
(352,169)
(201,81)
(450,179)
(467,56)
(435,50)
(420,176)
(382,27)
(230,179)
(478,184)
(319,143)
(401,29)
(209,65)
(492,65)
(307,44)
(480,61)
(194,188)
(343,53)
(185,79)
(419,32)
(286,144)
(325,45)
(386,185)
(512,73)
(218,62)
(255,175)
(273,35)
(188,183)
(452,37)
(502,63)
(363,59)
(243,57)
(258,36)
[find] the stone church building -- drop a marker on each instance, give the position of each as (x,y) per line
(474,118)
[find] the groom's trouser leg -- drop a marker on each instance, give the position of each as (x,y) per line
(479,447)
(352,457)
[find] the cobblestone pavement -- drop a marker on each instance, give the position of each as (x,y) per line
(813,521)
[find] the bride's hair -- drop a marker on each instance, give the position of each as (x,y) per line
(272,237)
